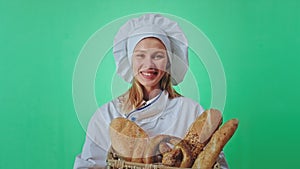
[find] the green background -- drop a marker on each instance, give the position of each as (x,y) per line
(258,43)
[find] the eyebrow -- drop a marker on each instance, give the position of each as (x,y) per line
(139,50)
(144,51)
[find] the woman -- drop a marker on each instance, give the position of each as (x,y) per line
(151,53)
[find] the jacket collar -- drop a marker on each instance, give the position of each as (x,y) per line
(151,110)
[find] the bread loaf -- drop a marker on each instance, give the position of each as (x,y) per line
(199,148)
(128,140)
(202,129)
(196,138)
(209,155)
(157,146)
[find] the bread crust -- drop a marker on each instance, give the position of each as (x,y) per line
(196,138)
(209,155)
(199,148)
(155,147)
(187,160)
(202,129)
(128,139)
(172,158)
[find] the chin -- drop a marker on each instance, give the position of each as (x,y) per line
(149,85)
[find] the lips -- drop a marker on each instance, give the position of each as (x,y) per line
(149,74)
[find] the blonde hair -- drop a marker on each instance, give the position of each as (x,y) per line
(133,98)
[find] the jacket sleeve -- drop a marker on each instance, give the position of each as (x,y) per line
(96,144)
(92,156)
(222,161)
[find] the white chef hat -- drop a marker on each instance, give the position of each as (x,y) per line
(151,25)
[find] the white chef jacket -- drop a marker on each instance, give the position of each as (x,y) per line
(160,115)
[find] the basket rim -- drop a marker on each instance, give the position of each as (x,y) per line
(123,164)
(126,164)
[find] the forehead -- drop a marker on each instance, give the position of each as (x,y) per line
(149,43)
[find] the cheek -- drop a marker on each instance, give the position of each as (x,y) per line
(135,66)
(162,66)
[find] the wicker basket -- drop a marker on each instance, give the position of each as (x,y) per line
(116,163)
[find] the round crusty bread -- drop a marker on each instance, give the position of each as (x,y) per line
(128,140)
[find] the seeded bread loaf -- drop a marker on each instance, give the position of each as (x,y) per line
(209,155)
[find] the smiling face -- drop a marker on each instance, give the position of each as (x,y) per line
(149,63)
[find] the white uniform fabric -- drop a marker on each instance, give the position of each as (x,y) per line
(160,115)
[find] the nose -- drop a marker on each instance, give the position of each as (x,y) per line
(148,62)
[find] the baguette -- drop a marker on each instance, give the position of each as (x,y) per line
(202,129)
(209,155)
(196,138)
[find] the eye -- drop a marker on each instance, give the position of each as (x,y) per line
(139,56)
(158,56)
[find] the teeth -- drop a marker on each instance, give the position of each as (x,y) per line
(147,74)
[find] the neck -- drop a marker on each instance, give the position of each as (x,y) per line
(150,93)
